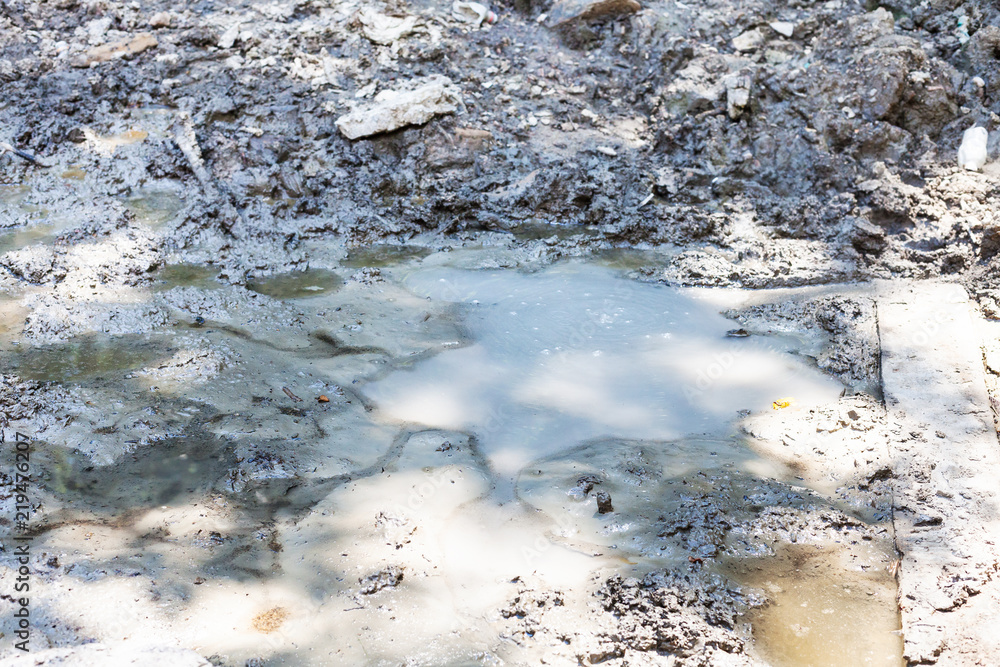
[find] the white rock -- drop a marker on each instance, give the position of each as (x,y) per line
(472,12)
(161,20)
(96,30)
(748,41)
(415,104)
(383,29)
(229,37)
(785,28)
(972,152)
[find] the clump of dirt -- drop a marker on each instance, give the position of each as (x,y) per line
(389,577)
(691,617)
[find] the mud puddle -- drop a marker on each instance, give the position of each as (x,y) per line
(85,357)
(185,275)
(297,284)
(442,467)
(21,237)
(173,471)
(381,256)
(154,206)
(574,353)
(827,608)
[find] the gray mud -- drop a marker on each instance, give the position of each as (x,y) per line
(199,276)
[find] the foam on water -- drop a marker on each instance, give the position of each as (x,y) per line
(575,352)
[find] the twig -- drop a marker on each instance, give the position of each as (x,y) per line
(288,392)
(21,154)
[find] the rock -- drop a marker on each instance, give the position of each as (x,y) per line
(567,11)
(415,104)
(603,502)
(868,238)
(106,52)
(972,153)
(161,20)
(383,29)
(101,655)
(390,577)
(668,182)
(229,37)
(749,40)
(473,12)
(737,93)
(783,27)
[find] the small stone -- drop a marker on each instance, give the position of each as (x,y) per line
(603,502)
(748,41)
(737,94)
(106,52)
(229,37)
(785,28)
(161,20)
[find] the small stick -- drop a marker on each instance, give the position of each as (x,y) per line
(21,154)
(290,395)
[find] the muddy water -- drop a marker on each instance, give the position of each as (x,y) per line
(154,207)
(454,459)
(19,238)
(575,353)
(185,275)
(826,608)
(381,256)
(297,284)
(84,357)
